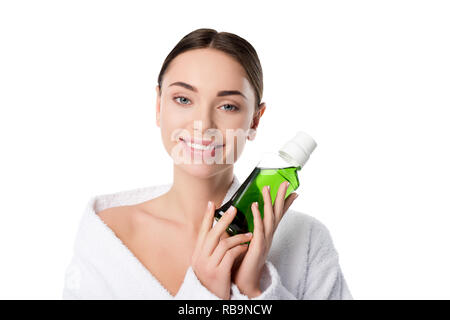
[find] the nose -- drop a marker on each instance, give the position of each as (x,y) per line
(202,120)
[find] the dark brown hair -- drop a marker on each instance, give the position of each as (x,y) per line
(232,44)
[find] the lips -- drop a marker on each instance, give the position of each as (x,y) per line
(200,144)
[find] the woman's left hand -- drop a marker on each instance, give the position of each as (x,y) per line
(248,274)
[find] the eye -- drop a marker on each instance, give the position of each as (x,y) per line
(184,100)
(181,97)
(230,105)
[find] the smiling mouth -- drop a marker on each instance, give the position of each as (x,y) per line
(204,146)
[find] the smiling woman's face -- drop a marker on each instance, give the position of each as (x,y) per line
(205,96)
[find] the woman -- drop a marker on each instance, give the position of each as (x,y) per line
(162,242)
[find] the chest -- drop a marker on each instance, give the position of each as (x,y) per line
(163,252)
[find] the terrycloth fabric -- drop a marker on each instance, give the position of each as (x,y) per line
(302,262)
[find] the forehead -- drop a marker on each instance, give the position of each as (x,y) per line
(208,69)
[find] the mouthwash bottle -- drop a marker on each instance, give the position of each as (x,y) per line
(272,170)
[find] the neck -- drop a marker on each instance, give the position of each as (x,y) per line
(189,195)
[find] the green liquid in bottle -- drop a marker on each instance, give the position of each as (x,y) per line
(251,191)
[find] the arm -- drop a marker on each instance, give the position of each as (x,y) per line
(72,282)
(324,279)
(81,283)
(193,289)
(270,284)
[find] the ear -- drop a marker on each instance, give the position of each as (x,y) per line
(255,121)
(158,105)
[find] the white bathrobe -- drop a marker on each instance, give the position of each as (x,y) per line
(302,262)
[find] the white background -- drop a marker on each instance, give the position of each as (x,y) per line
(369,80)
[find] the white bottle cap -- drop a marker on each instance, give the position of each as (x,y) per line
(297,150)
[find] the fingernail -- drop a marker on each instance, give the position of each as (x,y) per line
(287,185)
(230,210)
(268,188)
(248,234)
(255,203)
(296,195)
(209,204)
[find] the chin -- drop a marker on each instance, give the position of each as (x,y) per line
(203,170)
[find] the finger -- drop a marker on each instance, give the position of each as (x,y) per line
(279,202)
(268,219)
(289,200)
(208,219)
(213,236)
(224,235)
(237,263)
(231,255)
(258,226)
(226,244)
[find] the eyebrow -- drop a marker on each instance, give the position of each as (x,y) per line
(219,94)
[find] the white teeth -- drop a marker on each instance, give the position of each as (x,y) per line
(199,146)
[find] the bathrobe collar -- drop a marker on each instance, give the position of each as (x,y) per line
(99,245)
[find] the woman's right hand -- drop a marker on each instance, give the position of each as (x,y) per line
(215,253)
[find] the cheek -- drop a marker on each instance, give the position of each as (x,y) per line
(242,121)
(170,126)
(171,117)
